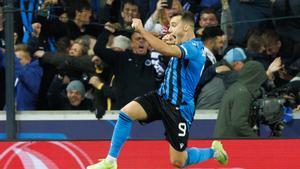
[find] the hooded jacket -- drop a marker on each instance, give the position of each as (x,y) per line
(234,112)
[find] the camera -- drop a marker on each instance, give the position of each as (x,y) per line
(268,110)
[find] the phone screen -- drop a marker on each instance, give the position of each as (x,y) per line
(169,3)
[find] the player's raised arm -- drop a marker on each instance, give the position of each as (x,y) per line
(159,45)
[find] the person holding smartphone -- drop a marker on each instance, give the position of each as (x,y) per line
(158,22)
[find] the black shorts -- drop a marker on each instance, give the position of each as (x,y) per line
(176,127)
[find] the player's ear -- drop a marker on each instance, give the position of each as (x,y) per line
(186,27)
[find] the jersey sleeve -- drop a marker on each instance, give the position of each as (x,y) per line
(191,50)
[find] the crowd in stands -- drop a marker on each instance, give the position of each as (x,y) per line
(78,56)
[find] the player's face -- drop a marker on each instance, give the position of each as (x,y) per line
(138,44)
(176,28)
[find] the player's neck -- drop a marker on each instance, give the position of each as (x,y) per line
(186,37)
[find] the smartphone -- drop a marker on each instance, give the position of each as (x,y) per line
(169,4)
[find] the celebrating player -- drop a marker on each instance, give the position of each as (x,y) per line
(173,102)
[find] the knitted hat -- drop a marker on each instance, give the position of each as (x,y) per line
(76,85)
(235,55)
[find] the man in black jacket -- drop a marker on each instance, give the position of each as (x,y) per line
(134,73)
(67,97)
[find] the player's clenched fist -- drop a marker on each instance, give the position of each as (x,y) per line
(137,25)
(169,39)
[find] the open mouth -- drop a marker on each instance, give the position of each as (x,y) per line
(141,47)
(173,36)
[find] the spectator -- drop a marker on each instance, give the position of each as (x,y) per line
(103,94)
(226,20)
(226,72)
(256,50)
(120,43)
(256,47)
(207,18)
(134,73)
(71,97)
(158,22)
(55,7)
(233,119)
(79,22)
(50,69)
(28,76)
(28,79)
(276,48)
(78,49)
(213,41)
(129,10)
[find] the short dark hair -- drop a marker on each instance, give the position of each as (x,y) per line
(211,32)
(77,5)
(131,2)
(208,11)
(62,44)
(270,36)
(255,43)
(186,16)
(254,39)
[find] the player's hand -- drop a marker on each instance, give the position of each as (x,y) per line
(137,25)
(169,39)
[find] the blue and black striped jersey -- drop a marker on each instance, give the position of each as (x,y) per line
(183,74)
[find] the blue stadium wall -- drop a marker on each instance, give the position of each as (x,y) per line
(84,126)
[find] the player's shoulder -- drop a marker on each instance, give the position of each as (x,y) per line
(195,43)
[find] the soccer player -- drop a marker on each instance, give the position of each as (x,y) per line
(173,102)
